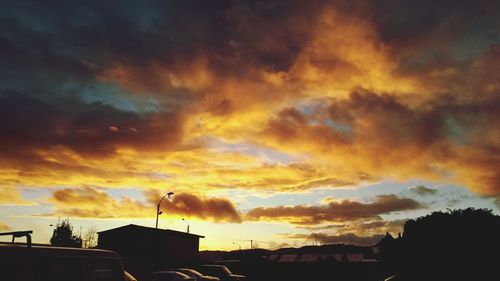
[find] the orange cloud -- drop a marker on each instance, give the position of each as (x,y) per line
(91,202)
(346,210)
(190,205)
(376,133)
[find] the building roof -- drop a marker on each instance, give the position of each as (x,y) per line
(169,232)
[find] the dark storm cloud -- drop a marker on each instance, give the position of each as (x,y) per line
(83,37)
(407,20)
(80,39)
(28,124)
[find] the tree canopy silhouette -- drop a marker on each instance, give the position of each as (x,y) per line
(452,244)
(63,236)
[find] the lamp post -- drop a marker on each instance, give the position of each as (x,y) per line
(187,224)
(238,245)
(158,212)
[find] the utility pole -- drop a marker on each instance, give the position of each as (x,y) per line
(251,244)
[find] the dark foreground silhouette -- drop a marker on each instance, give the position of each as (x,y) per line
(453,245)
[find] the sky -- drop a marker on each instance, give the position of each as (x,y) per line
(281,122)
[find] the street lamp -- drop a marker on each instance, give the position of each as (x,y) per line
(237,244)
(187,224)
(158,212)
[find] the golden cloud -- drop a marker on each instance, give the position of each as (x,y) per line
(92,202)
(11,196)
(216,209)
(4,227)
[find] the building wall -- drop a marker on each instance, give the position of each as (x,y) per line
(144,251)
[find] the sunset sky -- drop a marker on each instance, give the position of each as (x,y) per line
(277,121)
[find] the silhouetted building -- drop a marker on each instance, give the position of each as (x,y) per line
(145,248)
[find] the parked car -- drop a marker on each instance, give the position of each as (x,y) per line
(167,275)
(220,271)
(195,274)
(29,262)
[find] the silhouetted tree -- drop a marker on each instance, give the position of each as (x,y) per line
(453,245)
(90,237)
(63,236)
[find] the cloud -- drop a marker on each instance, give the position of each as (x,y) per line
(121,95)
(346,210)
(217,209)
(92,202)
(93,130)
(361,228)
(444,139)
(4,227)
(11,196)
(347,238)
(422,190)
